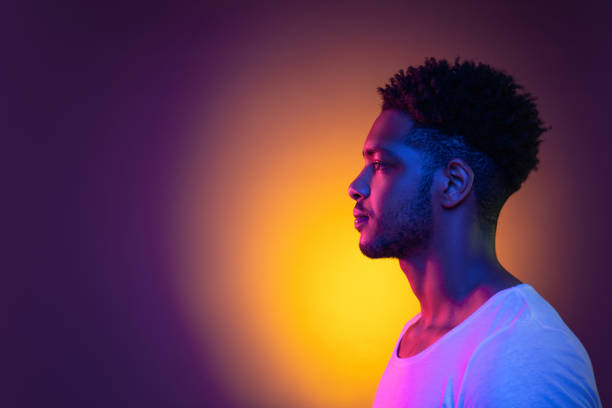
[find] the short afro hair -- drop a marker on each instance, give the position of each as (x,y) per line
(474,112)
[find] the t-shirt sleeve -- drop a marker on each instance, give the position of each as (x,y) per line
(526,366)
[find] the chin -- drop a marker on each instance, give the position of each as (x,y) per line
(378,249)
(400,247)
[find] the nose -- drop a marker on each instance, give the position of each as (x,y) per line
(359,188)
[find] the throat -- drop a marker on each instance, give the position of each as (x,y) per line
(416,340)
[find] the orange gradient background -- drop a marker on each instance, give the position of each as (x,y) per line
(180,193)
(272,266)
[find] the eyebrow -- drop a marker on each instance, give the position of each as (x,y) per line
(372,150)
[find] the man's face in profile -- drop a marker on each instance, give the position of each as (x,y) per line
(392,192)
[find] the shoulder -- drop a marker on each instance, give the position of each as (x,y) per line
(534,361)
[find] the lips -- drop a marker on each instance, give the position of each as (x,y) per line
(361,218)
(360,222)
(359,213)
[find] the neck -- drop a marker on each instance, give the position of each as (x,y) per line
(454,276)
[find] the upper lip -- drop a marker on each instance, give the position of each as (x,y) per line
(359,213)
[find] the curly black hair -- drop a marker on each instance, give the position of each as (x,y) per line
(474,112)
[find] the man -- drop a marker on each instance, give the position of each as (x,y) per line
(452,143)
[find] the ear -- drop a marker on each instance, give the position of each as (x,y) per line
(457,178)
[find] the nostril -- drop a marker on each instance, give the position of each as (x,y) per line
(354,194)
(358,192)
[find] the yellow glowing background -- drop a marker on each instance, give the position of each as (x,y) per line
(180,228)
(274,279)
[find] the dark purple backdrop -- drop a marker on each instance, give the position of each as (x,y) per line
(95,97)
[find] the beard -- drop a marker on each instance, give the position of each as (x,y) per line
(404,232)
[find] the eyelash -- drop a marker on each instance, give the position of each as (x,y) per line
(379,164)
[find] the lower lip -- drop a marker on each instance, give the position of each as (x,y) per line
(360,222)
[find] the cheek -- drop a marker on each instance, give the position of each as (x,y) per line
(382,198)
(392,203)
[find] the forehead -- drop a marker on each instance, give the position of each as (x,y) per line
(388,134)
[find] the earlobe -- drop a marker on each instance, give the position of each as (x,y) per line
(458,180)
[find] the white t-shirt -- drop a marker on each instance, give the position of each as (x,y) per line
(513,351)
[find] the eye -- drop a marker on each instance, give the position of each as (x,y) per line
(379,165)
